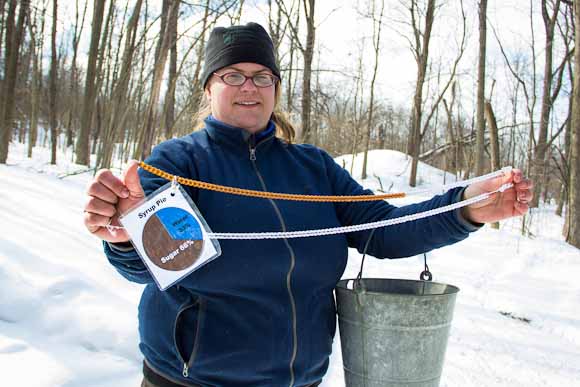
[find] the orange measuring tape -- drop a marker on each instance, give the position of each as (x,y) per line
(267,195)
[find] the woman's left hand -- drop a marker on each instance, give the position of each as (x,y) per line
(501,205)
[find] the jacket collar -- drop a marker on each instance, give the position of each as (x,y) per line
(221,132)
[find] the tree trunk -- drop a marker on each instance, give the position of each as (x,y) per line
(162,29)
(377,24)
(52,111)
(289,90)
(170,96)
(120,94)
(357,112)
(199,61)
(35,92)
(275,29)
(118,50)
(14,36)
(494,139)
(540,150)
(104,77)
(453,137)
(561,201)
(134,135)
(72,110)
(494,136)
(105,49)
(480,118)
(450,137)
(563,198)
(573,213)
(2,28)
(308,54)
(148,129)
(82,145)
(422,57)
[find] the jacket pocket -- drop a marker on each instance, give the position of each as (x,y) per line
(186,332)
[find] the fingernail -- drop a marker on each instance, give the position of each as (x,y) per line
(125,193)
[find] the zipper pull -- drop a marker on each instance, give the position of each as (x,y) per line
(185,370)
(253,147)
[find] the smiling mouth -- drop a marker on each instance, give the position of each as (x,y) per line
(249,103)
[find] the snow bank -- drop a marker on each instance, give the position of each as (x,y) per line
(67,318)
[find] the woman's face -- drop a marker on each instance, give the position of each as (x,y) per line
(246,106)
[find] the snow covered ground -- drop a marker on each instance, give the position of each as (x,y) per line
(67,319)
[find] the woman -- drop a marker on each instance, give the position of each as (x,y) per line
(263,313)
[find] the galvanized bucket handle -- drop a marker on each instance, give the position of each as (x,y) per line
(357,282)
(425,275)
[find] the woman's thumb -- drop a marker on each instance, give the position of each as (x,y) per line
(131,180)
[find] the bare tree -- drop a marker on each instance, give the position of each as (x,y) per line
(421,53)
(82,145)
(52,88)
(201,43)
(480,118)
(357,106)
(420,47)
(148,130)
(73,103)
(120,97)
(238,15)
(170,95)
(494,139)
(564,165)
(289,80)
(14,37)
(541,147)
(377,24)
(104,73)
(307,50)
(308,53)
(105,50)
(450,136)
(573,213)
(275,27)
(36,87)
(453,136)
(2,23)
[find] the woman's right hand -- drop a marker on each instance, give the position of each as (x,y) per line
(108,198)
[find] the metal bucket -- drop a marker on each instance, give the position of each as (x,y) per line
(394,332)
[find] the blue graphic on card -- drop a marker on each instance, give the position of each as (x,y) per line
(180,224)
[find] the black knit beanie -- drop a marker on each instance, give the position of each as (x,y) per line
(236,44)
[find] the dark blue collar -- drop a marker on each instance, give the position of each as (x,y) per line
(220,131)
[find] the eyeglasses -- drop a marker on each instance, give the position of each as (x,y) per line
(238,79)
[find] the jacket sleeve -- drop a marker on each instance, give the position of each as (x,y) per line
(124,258)
(401,240)
(127,262)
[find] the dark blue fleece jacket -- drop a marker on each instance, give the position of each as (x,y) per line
(263,313)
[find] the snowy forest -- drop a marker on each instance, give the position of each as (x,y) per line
(406,95)
(467,86)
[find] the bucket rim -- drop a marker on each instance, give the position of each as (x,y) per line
(343,283)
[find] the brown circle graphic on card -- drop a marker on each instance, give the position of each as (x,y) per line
(172,239)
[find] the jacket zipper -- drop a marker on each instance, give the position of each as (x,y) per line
(187,365)
(169,378)
(252,149)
